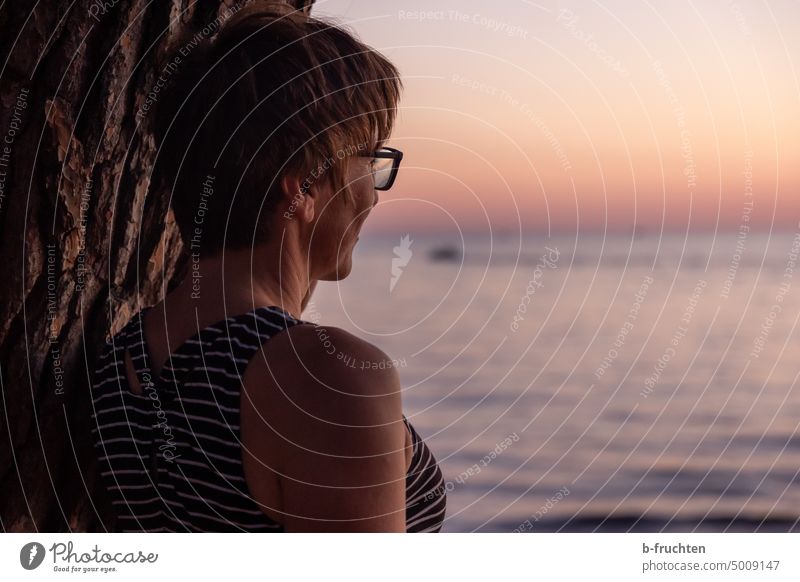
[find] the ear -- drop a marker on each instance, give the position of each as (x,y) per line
(297,203)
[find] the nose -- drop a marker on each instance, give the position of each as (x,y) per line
(375,198)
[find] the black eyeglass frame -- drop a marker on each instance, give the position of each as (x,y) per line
(387,152)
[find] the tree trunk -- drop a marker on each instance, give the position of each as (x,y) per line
(80,249)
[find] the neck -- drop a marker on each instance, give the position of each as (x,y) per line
(236,281)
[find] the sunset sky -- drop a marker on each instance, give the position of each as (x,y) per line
(547,116)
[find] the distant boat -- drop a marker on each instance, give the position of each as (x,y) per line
(445,253)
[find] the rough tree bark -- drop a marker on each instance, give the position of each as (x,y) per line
(80,249)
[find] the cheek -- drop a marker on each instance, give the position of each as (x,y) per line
(365,193)
(362,187)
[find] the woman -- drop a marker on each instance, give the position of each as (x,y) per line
(220,409)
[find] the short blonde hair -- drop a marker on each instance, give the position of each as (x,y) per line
(273,92)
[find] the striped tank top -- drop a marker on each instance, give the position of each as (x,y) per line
(171,457)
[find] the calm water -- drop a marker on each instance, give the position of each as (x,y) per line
(601,383)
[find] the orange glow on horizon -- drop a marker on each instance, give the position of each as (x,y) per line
(561,116)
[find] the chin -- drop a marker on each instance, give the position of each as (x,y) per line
(340,271)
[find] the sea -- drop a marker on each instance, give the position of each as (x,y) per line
(592,382)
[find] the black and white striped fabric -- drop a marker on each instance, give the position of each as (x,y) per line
(171,457)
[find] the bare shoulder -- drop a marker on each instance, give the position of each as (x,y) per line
(319,383)
(322,418)
(329,355)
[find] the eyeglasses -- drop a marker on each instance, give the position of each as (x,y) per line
(385,163)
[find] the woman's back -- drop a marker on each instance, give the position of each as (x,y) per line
(171,456)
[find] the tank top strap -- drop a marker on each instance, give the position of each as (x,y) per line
(238,338)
